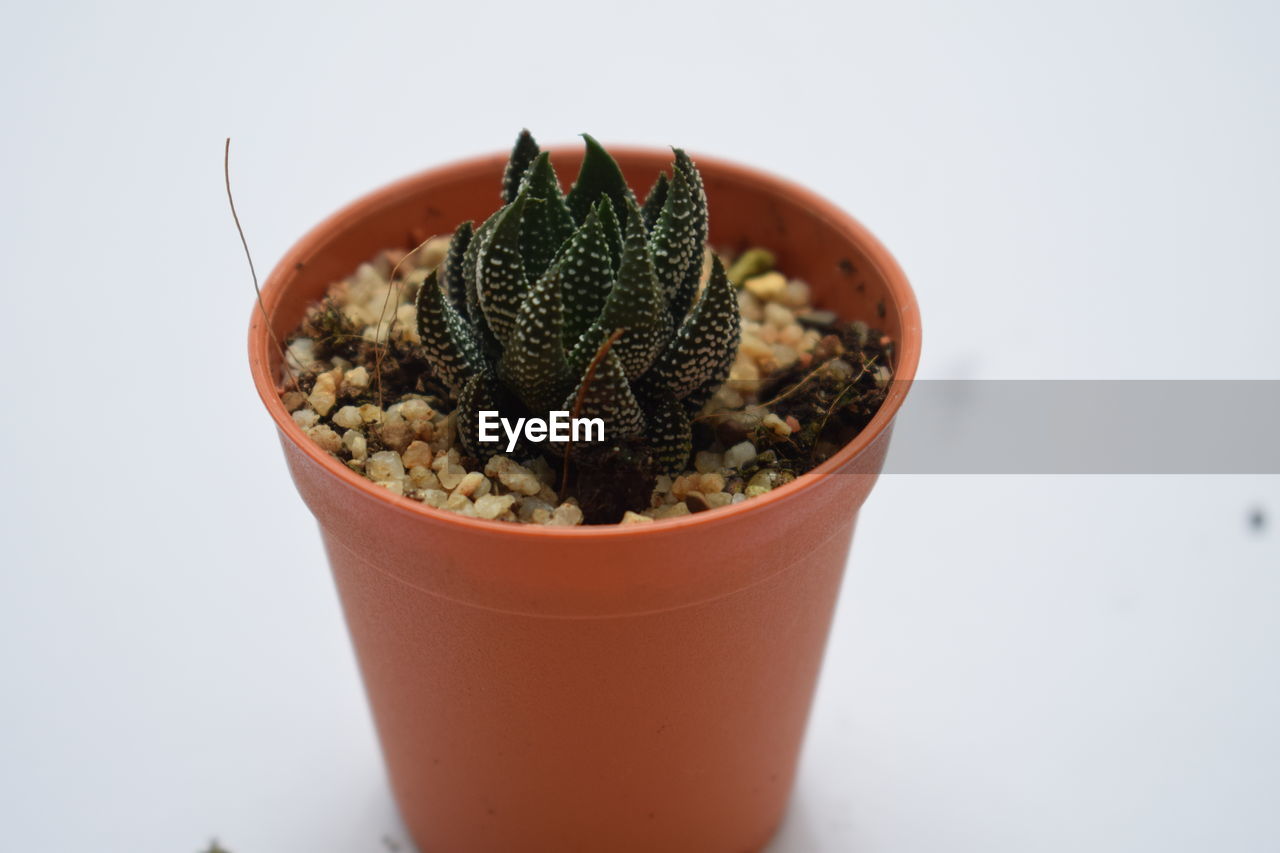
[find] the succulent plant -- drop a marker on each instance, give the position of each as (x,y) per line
(516,317)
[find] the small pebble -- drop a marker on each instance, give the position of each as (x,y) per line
(739,454)
(630,517)
(776,424)
(513,475)
(460,503)
(396,432)
(754,346)
(682,485)
(348,417)
(817,319)
(530,505)
(764,480)
(492,506)
(839,368)
(767,286)
(322,435)
(293,400)
(385,465)
(796,295)
(418,453)
(423,478)
(355,444)
(749,307)
(696,502)
(778,315)
(712,481)
(413,409)
(705,462)
(451,476)
(396,486)
(671,510)
(469,484)
(357,378)
(567,514)
(324,394)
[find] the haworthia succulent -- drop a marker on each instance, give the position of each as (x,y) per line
(532,294)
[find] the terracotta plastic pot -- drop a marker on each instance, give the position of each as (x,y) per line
(637,688)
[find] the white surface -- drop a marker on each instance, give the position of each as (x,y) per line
(1019,664)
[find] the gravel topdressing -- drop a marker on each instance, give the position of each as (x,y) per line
(355,386)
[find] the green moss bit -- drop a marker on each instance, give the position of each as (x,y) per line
(751,263)
(524,302)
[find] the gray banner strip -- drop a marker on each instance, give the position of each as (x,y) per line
(1088,427)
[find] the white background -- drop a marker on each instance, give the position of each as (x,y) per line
(1076,189)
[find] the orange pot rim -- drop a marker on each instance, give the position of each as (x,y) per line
(278,282)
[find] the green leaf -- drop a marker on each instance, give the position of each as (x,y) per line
(480,392)
(688,289)
(678,242)
(447,340)
(686,166)
(451,268)
(500,276)
(636,303)
(534,365)
(598,177)
(609,397)
(586,265)
(546,226)
(668,433)
(522,155)
(700,395)
(656,200)
(612,230)
(697,353)
(479,326)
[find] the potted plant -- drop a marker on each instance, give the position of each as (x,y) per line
(559,686)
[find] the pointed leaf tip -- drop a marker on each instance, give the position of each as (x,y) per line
(599,176)
(522,155)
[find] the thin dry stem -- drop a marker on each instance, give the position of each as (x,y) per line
(284,351)
(393,287)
